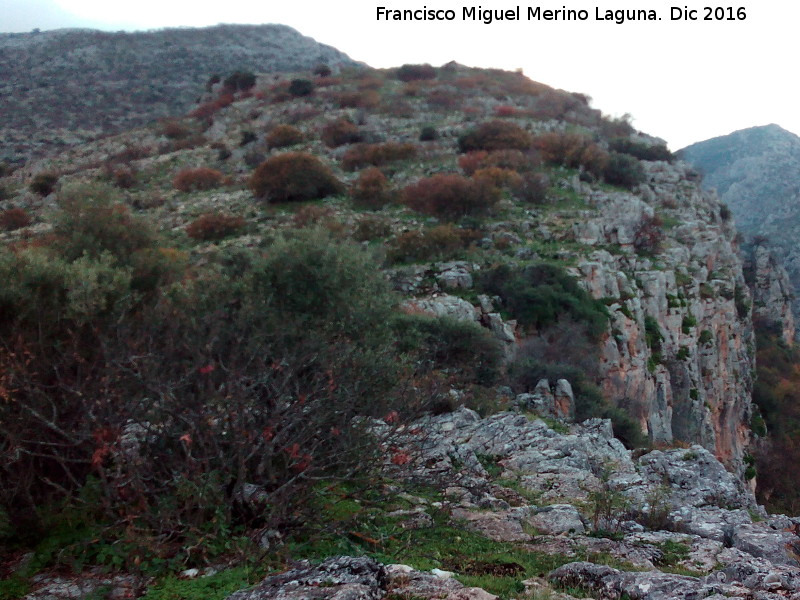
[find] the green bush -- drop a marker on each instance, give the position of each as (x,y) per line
(541,295)
(470,353)
(623,170)
(292,177)
(301,87)
(688,322)
(706,337)
(641,150)
(239,81)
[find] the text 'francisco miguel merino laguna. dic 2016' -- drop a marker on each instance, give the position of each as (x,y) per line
(538,13)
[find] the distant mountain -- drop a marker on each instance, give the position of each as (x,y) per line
(61,87)
(756,172)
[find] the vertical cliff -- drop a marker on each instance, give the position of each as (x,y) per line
(680,355)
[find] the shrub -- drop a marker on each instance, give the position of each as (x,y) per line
(92,220)
(371,227)
(340,132)
(649,235)
(377,155)
(623,170)
(312,215)
(174,129)
(293,176)
(14,218)
(450,196)
(371,190)
(239,81)
(641,150)
(410,72)
(533,189)
(301,87)
(706,337)
(248,137)
(361,99)
(495,135)
(283,136)
(428,134)
(687,323)
(725,212)
(572,150)
(322,70)
(197,179)
(43,183)
(443,242)
(541,295)
(214,226)
(463,349)
(498,177)
(124,177)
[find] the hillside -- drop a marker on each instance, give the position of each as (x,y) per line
(756,172)
(445,317)
(62,87)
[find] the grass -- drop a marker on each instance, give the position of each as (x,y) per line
(212,587)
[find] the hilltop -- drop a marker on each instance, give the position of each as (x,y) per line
(59,88)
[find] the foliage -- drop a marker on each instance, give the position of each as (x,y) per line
(623,170)
(371,191)
(542,294)
(428,134)
(648,237)
(322,70)
(283,136)
(495,135)
(197,179)
(450,196)
(641,150)
(572,150)
(293,176)
(214,226)
(239,81)
(14,218)
(409,72)
(463,349)
(340,132)
(301,87)
(43,183)
(443,242)
(213,587)
(362,155)
(687,323)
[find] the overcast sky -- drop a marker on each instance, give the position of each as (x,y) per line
(684,81)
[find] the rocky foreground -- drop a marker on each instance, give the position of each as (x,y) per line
(673,523)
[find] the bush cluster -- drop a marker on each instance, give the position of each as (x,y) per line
(410,72)
(572,150)
(293,176)
(197,179)
(214,226)
(451,196)
(541,295)
(623,170)
(43,183)
(443,242)
(641,150)
(377,155)
(301,87)
(239,81)
(495,135)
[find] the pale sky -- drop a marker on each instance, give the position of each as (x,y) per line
(684,81)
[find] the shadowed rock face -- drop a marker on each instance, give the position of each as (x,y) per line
(756,172)
(62,87)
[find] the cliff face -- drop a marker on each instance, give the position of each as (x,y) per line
(757,173)
(695,384)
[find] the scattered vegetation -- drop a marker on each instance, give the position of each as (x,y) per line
(214,226)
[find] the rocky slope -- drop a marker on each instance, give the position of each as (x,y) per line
(677,352)
(756,172)
(61,87)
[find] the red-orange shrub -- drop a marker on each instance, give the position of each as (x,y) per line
(498,177)
(201,178)
(283,136)
(340,132)
(214,226)
(293,176)
(208,109)
(14,218)
(505,111)
(371,190)
(363,99)
(377,155)
(451,196)
(495,135)
(504,159)
(442,242)
(572,150)
(174,129)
